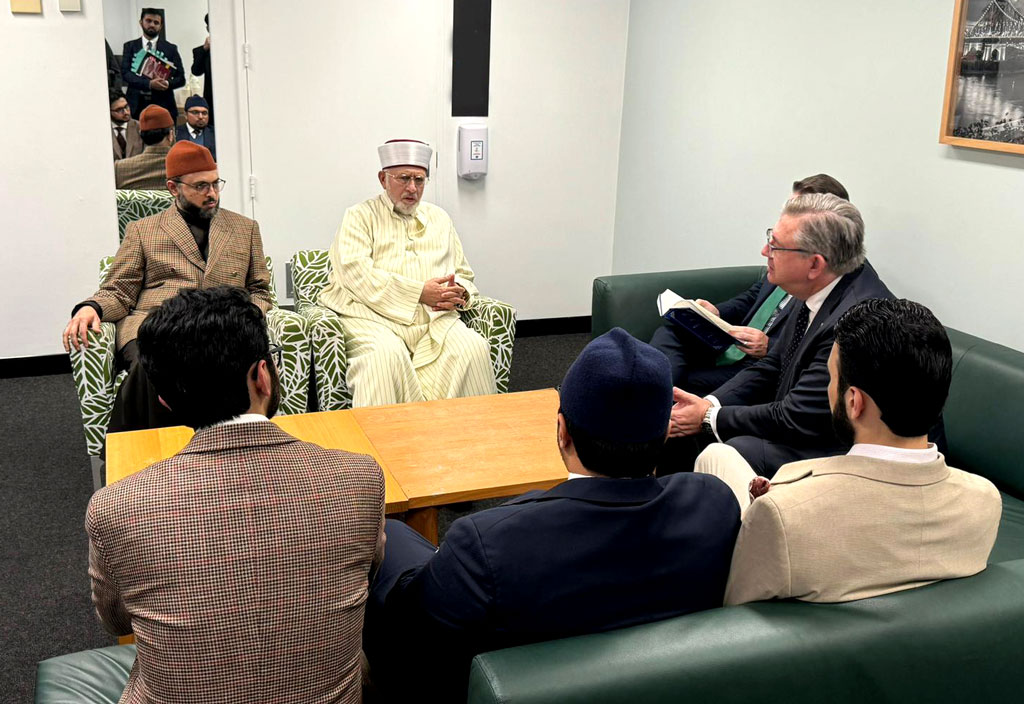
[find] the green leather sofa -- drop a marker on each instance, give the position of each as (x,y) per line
(955,641)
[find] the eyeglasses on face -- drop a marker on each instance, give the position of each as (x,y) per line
(276,352)
(199,112)
(406,179)
(203,186)
(120,109)
(772,249)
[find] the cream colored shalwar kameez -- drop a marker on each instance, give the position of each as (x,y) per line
(398,349)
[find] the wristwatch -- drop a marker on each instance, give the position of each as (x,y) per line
(705,425)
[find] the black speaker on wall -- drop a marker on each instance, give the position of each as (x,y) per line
(471,57)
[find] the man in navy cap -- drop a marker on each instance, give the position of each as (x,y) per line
(198,129)
(613,546)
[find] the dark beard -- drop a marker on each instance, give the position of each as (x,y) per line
(841,424)
(194,212)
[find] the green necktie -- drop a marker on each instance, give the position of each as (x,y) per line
(734,353)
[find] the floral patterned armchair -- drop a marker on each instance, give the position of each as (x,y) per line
(495,320)
(93,367)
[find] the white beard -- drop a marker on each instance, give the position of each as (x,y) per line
(402,207)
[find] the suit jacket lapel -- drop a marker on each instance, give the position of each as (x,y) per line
(218,241)
(176,227)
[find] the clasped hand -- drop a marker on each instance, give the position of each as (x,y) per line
(687,413)
(443,293)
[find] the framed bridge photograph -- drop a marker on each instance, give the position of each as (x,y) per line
(984,103)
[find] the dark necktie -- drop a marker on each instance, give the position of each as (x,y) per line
(149,46)
(121,143)
(802,318)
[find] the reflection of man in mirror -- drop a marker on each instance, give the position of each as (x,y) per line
(193,244)
(125,130)
(198,129)
(201,67)
(143,91)
(146,170)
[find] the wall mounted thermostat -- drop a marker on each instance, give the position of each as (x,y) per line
(473,151)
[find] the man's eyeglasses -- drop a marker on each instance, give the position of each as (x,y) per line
(204,187)
(276,352)
(772,249)
(199,112)
(124,109)
(406,179)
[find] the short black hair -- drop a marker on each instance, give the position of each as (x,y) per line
(897,353)
(116,95)
(151,137)
(197,349)
(820,183)
(632,460)
(151,11)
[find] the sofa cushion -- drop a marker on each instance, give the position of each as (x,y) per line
(958,640)
(984,412)
(1010,540)
(630,301)
(90,677)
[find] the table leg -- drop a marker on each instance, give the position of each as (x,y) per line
(424,522)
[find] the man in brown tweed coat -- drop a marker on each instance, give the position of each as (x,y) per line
(146,170)
(242,563)
(192,244)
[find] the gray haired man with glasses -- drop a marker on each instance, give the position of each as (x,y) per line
(777,411)
(192,244)
(398,279)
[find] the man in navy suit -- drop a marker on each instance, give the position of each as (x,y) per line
(198,128)
(757,315)
(613,546)
(143,91)
(777,411)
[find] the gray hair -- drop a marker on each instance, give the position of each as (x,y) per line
(831,227)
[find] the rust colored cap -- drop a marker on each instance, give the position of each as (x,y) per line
(188,157)
(155,117)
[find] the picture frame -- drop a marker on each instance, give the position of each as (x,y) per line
(983,106)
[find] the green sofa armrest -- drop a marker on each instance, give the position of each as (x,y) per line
(90,677)
(92,368)
(496,323)
(630,301)
(958,640)
(330,360)
(289,329)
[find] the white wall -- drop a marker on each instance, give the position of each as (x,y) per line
(373,71)
(57,177)
(726,103)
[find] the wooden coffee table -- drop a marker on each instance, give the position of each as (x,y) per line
(432,453)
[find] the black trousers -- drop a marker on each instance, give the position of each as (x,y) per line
(137,405)
(693,363)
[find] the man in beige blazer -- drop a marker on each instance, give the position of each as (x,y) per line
(192,244)
(124,131)
(889,515)
(242,563)
(146,170)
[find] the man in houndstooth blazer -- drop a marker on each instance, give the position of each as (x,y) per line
(192,244)
(242,563)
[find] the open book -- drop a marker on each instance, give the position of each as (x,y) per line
(695,319)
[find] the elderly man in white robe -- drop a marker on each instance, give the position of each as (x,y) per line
(399,278)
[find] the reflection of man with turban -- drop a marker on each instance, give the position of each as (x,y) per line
(399,279)
(192,244)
